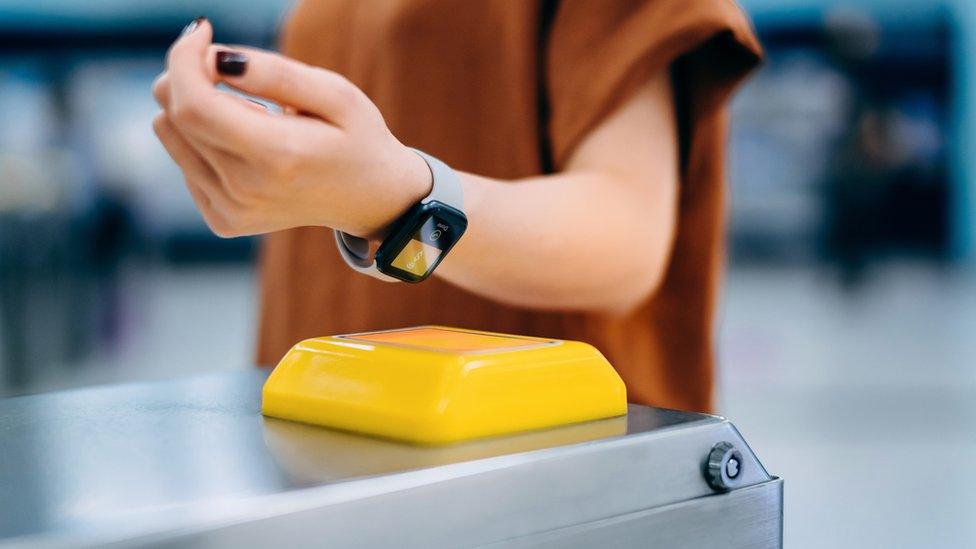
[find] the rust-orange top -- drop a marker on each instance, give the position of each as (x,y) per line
(506,89)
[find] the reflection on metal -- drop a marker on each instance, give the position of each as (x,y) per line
(309,455)
(192,463)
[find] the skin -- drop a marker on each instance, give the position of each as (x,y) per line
(596,236)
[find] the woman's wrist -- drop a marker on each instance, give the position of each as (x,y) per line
(381,184)
(407,180)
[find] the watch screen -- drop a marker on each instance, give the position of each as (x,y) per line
(416,257)
(419,241)
(425,247)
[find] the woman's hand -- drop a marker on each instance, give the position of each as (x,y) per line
(329,160)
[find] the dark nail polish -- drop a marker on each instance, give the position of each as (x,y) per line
(231,63)
(193,25)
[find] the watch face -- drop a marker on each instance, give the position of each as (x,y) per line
(415,248)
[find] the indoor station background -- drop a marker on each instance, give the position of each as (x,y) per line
(847,334)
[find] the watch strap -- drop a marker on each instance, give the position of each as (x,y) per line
(446,189)
(355,252)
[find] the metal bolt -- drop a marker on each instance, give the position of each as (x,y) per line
(723,466)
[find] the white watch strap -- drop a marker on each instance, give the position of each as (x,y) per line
(446,189)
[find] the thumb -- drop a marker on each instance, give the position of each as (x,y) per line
(188,49)
(308,89)
(189,79)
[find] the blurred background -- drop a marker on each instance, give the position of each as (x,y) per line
(847,335)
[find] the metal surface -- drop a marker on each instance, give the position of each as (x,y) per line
(192,462)
(750,517)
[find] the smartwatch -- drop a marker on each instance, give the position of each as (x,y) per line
(419,239)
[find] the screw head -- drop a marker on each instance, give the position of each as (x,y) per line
(723,466)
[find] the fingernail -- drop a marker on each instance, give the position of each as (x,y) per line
(193,25)
(231,63)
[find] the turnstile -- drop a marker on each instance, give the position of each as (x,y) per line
(192,462)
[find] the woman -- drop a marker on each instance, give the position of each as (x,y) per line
(587,138)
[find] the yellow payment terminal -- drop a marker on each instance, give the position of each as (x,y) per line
(433,384)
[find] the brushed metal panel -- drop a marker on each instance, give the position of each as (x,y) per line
(749,517)
(193,462)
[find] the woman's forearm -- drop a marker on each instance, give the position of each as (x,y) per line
(583,241)
(596,236)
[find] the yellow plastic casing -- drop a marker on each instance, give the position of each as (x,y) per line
(433,384)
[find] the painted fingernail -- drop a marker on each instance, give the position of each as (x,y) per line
(231,63)
(192,26)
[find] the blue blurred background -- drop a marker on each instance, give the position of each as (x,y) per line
(848,328)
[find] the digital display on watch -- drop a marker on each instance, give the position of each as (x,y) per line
(416,257)
(425,247)
(420,240)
